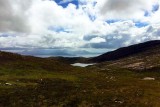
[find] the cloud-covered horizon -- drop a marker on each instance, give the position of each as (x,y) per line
(76,27)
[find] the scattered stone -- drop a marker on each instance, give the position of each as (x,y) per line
(148,78)
(82,64)
(120,102)
(111,78)
(103,69)
(8,84)
(84,91)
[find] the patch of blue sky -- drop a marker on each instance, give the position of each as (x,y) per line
(65,3)
(94,4)
(155,8)
(112,21)
(137,23)
(147,14)
(93,18)
(85,3)
(59,29)
(141,24)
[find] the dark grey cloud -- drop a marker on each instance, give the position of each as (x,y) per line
(117,5)
(89,37)
(158,32)
(13,15)
(126,8)
(113,41)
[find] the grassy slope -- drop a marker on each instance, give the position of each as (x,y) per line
(37,82)
(148,60)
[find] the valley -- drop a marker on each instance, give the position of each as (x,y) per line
(131,80)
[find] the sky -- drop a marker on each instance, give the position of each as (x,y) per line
(76,27)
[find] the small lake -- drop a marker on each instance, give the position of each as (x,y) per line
(81,64)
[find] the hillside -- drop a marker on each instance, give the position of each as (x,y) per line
(17,61)
(128,51)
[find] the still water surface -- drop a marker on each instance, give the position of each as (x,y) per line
(82,64)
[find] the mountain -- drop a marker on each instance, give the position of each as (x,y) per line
(143,56)
(70,60)
(127,51)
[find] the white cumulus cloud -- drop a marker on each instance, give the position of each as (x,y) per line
(46,24)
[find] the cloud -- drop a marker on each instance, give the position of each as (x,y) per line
(45,24)
(12,15)
(122,34)
(97,40)
(65,1)
(123,9)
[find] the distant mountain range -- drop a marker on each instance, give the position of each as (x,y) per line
(139,57)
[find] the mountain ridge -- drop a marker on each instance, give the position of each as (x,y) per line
(126,51)
(118,54)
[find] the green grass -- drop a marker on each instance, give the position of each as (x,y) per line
(56,85)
